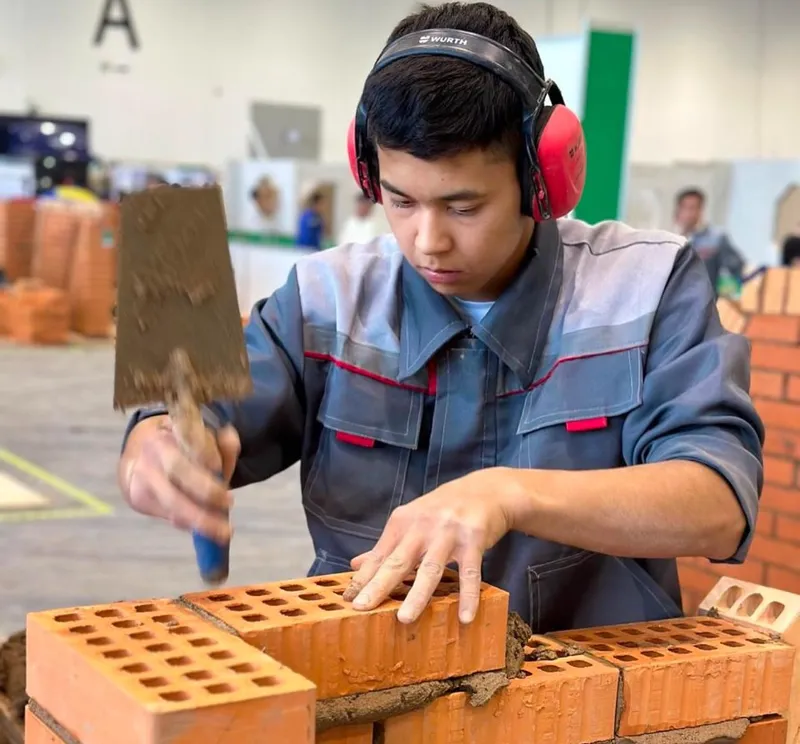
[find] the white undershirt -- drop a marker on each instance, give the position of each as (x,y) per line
(472,310)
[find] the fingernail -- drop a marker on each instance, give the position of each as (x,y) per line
(405,616)
(465,617)
(361,601)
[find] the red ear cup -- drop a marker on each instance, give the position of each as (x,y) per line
(561,151)
(360,170)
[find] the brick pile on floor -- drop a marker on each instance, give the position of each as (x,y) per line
(768,314)
(292,662)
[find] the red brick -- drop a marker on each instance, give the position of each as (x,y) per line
(771,730)
(750,299)
(691,671)
(750,570)
(731,316)
(350,735)
(764,384)
(787,529)
(563,700)
(782,500)
(780,328)
(37,732)
(375,651)
(782,442)
(784,579)
(780,415)
(779,470)
(793,301)
(695,576)
(770,550)
(765,525)
(155,673)
(774,296)
(775,357)
(793,388)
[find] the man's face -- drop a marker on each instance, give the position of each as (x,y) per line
(457,220)
(688,213)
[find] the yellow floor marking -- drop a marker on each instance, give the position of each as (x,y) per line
(16,495)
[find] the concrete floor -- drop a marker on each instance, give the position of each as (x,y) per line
(56,413)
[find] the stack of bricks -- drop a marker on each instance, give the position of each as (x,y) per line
(293,662)
(768,314)
(17,219)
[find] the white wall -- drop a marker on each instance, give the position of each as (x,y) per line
(718,78)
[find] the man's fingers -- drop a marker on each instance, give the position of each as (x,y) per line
(469,579)
(369,563)
(194,480)
(229,447)
(389,575)
(429,574)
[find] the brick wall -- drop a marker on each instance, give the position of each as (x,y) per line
(768,313)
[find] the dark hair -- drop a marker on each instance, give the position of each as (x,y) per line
(690,193)
(435,106)
(791,250)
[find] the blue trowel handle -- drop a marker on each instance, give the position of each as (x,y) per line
(213,559)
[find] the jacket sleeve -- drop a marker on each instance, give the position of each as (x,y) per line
(696,403)
(270,421)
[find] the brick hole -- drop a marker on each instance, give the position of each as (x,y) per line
(239,607)
(653,654)
(730,597)
(550,668)
(145,608)
(339,592)
(181,630)
(274,602)
(655,641)
(705,647)
(311,597)
(708,623)
(684,626)
(579,638)
(657,629)
(732,644)
(117,653)
(159,648)
(220,689)
(244,668)
(265,681)
(601,647)
(200,674)
(293,612)
(99,641)
(679,650)
(398,596)
(681,638)
(732,632)
(749,605)
(293,588)
(759,641)
(178,696)
(326,582)
(707,634)
(179,661)
(257,593)
(136,668)
(605,634)
(153,682)
(771,613)
(331,607)
(165,620)
(625,657)
(68,618)
(220,598)
(628,644)
(579,663)
(143,635)
(83,629)
(108,613)
(221,655)
(126,624)
(256,618)
(523,674)
(200,642)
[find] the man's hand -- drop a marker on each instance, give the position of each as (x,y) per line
(457,522)
(157,479)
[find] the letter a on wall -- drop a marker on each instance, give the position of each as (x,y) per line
(116,14)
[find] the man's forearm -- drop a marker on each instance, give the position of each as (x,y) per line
(660,510)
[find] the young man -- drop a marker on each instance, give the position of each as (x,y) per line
(310,226)
(711,244)
(553,407)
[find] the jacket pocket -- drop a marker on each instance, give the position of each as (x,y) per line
(369,430)
(573,420)
(585,590)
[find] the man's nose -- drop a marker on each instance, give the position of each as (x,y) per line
(432,236)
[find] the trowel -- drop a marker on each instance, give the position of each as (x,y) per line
(179,331)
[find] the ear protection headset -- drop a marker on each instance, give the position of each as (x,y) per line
(553,167)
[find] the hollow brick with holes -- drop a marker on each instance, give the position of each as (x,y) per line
(691,671)
(300,622)
(155,673)
(566,699)
(769,610)
(770,730)
(38,732)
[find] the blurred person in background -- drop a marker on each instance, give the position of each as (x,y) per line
(790,250)
(310,226)
(361,226)
(723,262)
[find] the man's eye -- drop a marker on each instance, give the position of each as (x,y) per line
(401,204)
